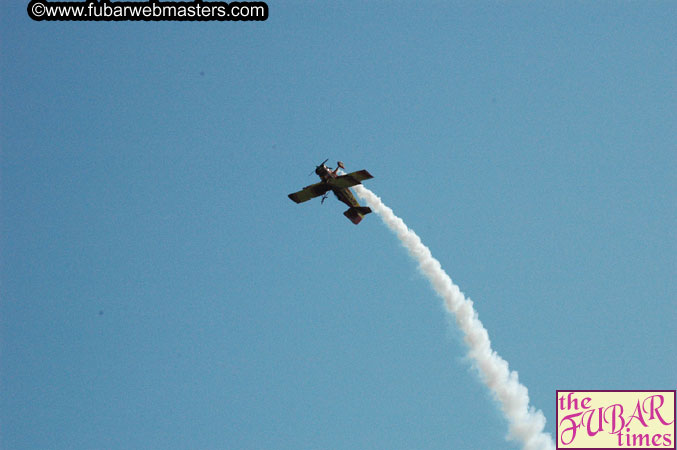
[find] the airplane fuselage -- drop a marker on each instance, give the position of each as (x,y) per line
(343,194)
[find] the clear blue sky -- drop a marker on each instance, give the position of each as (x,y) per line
(159,290)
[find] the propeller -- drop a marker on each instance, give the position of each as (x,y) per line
(316,167)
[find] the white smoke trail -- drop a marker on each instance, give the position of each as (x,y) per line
(525,423)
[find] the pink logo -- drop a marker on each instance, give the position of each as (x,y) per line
(616,419)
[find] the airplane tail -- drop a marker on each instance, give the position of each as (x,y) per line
(356,213)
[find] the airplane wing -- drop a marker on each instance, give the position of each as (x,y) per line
(349,180)
(308,192)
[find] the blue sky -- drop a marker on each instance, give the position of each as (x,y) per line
(159,289)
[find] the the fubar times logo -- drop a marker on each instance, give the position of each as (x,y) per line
(616,420)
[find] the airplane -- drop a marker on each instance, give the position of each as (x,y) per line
(340,186)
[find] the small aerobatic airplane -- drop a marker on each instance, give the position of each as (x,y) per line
(340,186)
